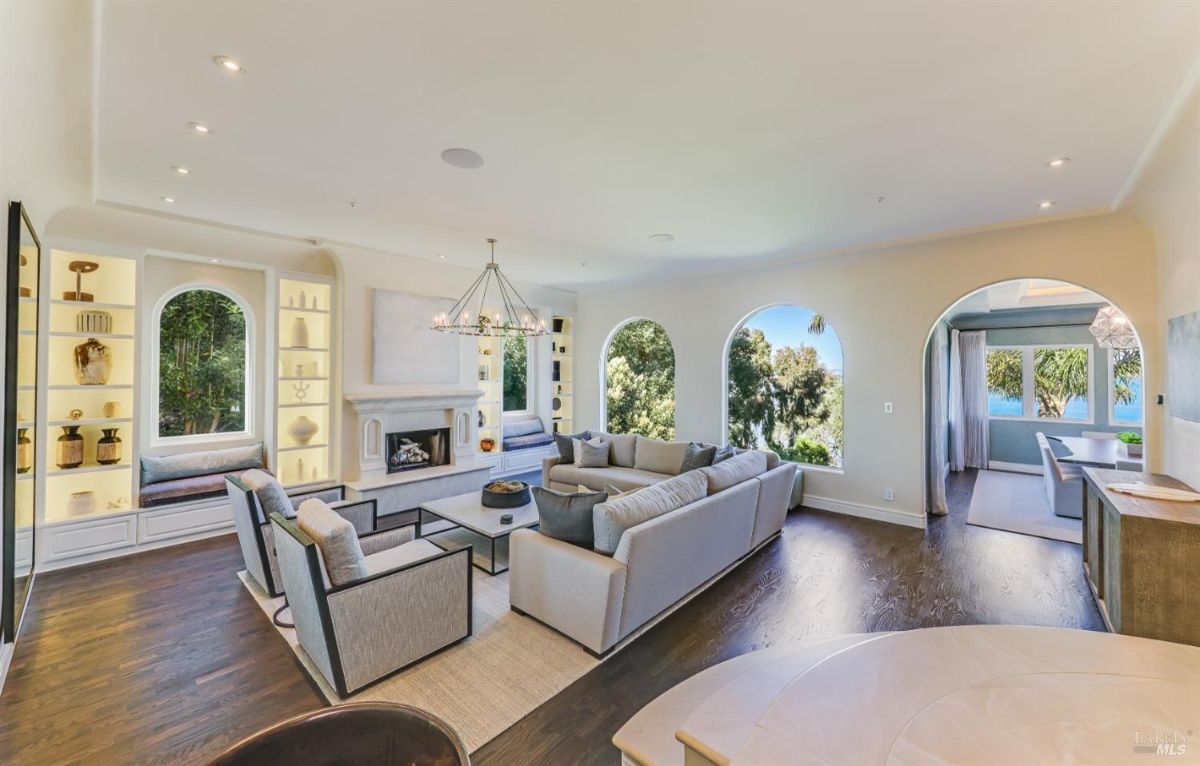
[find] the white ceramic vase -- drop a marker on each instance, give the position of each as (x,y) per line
(81,503)
(302,430)
(299,333)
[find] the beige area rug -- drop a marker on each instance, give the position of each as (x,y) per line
(481,686)
(1016,502)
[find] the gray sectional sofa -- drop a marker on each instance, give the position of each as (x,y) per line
(697,525)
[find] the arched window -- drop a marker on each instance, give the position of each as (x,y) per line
(784,377)
(203,364)
(639,367)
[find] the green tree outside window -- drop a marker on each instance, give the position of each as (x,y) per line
(516,373)
(640,368)
(202,365)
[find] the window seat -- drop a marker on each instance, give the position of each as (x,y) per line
(525,434)
(527,441)
(193,475)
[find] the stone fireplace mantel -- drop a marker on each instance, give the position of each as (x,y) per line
(371,415)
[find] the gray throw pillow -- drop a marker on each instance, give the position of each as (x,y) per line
(697,456)
(566,452)
(724,453)
(203,463)
(567,516)
(592,454)
(272,498)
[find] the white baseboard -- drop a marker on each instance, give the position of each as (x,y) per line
(74,561)
(998,465)
(889,515)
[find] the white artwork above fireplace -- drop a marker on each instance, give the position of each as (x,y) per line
(406,351)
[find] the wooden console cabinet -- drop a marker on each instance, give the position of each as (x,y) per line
(1142,557)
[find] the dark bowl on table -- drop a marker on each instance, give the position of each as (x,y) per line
(517,499)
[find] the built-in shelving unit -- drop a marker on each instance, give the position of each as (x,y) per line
(305,386)
(92,404)
(561,376)
(490,374)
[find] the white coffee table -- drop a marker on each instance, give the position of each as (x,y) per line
(461,520)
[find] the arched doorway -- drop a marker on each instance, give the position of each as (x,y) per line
(1026,381)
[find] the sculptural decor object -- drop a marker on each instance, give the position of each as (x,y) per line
(80,268)
(81,503)
(93,363)
(299,333)
(112,409)
(487,444)
(302,430)
(24,291)
(94,322)
(108,448)
(69,450)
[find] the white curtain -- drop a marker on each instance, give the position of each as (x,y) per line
(973,369)
(957,452)
(937,426)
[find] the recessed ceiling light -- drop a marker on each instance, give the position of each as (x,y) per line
(441,256)
(214,260)
(1046,203)
(168,200)
(200,127)
(462,158)
(663,237)
(1058,162)
(232,66)
(181,170)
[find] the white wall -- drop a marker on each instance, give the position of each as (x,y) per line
(1167,197)
(883,304)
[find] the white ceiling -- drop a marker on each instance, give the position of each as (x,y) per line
(749,132)
(1025,294)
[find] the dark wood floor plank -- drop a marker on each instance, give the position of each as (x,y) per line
(163,658)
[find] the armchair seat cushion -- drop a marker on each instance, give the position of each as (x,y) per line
(401,555)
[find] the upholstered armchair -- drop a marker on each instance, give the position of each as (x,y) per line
(255,494)
(364,608)
(1064,486)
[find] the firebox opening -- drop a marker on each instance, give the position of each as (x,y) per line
(409,450)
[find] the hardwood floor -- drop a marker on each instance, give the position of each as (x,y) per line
(164,658)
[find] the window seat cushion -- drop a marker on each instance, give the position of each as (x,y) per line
(527,440)
(179,490)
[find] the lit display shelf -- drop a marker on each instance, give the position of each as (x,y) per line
(305,422)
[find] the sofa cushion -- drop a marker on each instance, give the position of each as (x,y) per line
(658,456)
(735,470)
(204,463)
(178,490)
(598,478)
(566,516)
(565,442)
(337,539)
(697,455)
(272,498)
(724,453)
(592,453)
(611,519)
(623,448)
(526,441)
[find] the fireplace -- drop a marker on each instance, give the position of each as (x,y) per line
(410,450)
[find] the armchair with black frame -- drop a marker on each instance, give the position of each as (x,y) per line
(256,494)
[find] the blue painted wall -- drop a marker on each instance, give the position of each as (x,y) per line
(1013,441)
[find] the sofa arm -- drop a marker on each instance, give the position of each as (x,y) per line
(547,464)
(573,590)
(363,514)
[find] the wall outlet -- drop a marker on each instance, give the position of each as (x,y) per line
(887,408)
(888,494)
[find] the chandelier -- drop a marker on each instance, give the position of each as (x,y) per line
(469,316)
(1112,329)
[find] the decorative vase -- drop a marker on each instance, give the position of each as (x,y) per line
(112,409)
(94,321)
(1132,450)
(81,503)
(69,452)
(24,451)
(482,419)
(302,430)
(108,449)
(93,363)
(487,444)
(299,333)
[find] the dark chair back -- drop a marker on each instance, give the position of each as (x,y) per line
(369,733)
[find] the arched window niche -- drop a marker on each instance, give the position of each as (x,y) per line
(638,379)
(202,370)
(784,381)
